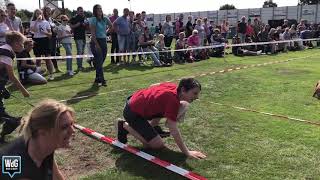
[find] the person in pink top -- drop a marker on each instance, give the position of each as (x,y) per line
(194,39)
(224,28)
(250,30)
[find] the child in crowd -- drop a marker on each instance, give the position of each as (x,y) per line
(64,35)
(181,43)
(27,69)
(165,57)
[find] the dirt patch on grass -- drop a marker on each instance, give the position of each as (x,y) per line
(86,156)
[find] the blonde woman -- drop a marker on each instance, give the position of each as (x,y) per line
(41,33)
(46,128)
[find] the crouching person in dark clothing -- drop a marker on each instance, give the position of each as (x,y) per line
(242,51)
(217,39)
(14,43)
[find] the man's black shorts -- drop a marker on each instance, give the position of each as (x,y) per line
(138,123)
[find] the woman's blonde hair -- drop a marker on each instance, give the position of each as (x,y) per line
(45,115)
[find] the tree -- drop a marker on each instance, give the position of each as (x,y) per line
(308,2)
(227,7)
(269,3)
(25,15)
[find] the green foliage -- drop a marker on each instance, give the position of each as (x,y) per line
(309,2)
(227,7)
(269,3)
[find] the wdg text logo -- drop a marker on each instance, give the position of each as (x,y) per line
(11,165)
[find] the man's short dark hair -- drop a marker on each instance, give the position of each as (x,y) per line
(188,84)
(79,8)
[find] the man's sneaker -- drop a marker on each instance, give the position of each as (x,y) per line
(51,77)
(104,83)
(161,133)
(70,73)
(121,132)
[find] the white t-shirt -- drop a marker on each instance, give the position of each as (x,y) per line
(65,30)
(5,59)
(15,23)
(41,27)
(3,29)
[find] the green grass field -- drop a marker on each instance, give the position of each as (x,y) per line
(238,144)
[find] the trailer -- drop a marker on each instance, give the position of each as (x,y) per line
(310,13)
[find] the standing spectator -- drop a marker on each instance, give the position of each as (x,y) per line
(242,29)
(301,26)
(41,33)
(189,27)
(3,27)
(160,26)
(152,30)
(143,18)
(250,30)
(285,24)
(54,51)
(132,39)
(114,38)
(167,31)
(179,25)
(79,25)
(257,27)
(207,32)
(138,30)
(64,35)
(194,23)
(224,28)
(98,45)
(200,31)
(121,27)
(14,23)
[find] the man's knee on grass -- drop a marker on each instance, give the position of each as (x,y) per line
(156,143)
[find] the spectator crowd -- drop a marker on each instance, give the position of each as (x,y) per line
(129,32)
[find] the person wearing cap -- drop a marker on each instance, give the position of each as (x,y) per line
(145,107)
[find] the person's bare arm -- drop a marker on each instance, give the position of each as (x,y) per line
(57,175)
(174,131)
(15,81)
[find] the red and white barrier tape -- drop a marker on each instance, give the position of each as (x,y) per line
(269,114)
(148,157)
(173,50)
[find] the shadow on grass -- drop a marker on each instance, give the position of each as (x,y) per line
(85,94)
(114,69)
(115,78)
(140,167)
